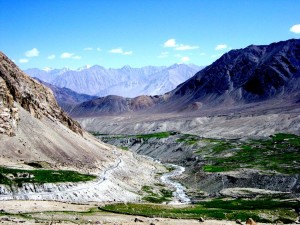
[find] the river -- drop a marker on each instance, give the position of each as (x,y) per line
(179,194)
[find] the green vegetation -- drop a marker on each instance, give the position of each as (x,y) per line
(163,195)
(10,176)
(155,135)
(278,153)
(140,136)
(216,209)
(188,139)
(124,148)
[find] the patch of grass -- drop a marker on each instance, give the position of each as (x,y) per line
(11,176)
(278,153)
(164,195)
(147,189)
(155,135)
(124,148)
(215,209)
(211,168)
(188,139)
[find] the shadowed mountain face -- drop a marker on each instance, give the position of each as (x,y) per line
(66,98)
(252,74)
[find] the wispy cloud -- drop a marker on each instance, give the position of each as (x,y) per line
(171,43)
(178,55)
(98,49)
(120,51)
(88,49)
(51,56)
(202,53)
(221,47)
(295,29)
(185,59)
(67,55)
(32,53)
(23,60)
(163,55)
(76,57)
(186,47)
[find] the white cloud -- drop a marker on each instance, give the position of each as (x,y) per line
(32,53)
(47,69)
(51,56)
(116,50)
(76,57)
(295,29)
(98,49)
(88,49)
(185,59)
(120,51)
(221,47)
(128,53)
(178,55)
(66,55)
(202,53)
(185,47)
(23,60)
(171,43)
(163,55)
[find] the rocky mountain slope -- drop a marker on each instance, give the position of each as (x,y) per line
(239,77)
(126,81)
(252,74)
(35,128)
(35,133)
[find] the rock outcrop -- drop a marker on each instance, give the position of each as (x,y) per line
(9,115)
(34,97)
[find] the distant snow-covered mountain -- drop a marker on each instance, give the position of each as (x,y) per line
(126,81)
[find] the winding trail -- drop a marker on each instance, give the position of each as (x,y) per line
(179,194)
(73,189)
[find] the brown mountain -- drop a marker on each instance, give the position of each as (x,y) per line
(239,77)
(34,128)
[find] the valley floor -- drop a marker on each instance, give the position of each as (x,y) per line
(50,212)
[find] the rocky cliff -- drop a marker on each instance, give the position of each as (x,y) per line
(34,128)
(34,97)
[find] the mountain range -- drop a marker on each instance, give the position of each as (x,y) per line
(126,82)
(253,74)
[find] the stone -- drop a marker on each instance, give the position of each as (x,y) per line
(201,219)
(251,221)
(238,221)
(138,220)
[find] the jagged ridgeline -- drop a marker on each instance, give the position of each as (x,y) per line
(253,74)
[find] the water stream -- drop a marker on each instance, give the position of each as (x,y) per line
(179,194)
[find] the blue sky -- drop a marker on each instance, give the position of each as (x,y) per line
(114,33)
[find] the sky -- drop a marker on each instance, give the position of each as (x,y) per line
(113,33)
